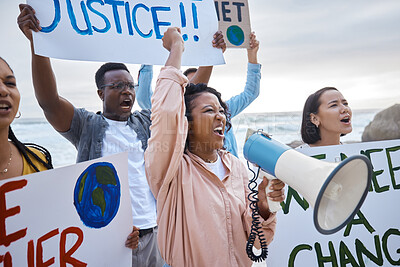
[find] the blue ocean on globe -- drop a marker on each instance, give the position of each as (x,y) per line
(235,35)
(97,194)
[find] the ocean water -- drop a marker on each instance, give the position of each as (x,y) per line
(283,127)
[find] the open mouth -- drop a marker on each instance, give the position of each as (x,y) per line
(4,106)
(219,130)
(127,103)
(346,120)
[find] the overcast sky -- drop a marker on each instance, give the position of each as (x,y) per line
(305,45)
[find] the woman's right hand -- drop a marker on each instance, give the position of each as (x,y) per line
(173,39)
(27,21)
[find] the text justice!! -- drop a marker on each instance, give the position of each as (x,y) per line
(121,11)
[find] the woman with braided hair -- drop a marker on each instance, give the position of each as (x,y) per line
(16,158)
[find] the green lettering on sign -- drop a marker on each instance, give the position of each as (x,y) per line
(361,220)
(378,188)
(390,164)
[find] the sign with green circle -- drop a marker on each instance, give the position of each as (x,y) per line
(235,35)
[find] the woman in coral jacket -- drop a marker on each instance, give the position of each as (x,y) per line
(201,190)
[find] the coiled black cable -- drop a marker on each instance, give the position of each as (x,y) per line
(256,225)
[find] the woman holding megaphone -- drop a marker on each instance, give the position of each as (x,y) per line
(329,188)
(326,117)
(201,190)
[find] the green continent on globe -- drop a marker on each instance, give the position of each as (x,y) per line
(82,187)
(98,199)
(105,175)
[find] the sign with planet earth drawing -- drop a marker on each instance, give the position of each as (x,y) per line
(78,215)
(234,22)
(97,194)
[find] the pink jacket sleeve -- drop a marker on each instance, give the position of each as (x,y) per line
(168,129)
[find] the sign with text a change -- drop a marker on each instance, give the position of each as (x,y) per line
(372,238)
(127,31)
(234,22)
(78,215)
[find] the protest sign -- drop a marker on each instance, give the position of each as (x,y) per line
(234,22)
(372,238)
(79,215)
(125,31)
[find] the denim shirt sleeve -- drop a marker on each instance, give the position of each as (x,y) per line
(251,91)
(144,91)
(74,133)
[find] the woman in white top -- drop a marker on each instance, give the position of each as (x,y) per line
(326,117)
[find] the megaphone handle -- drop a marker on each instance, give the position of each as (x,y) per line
(273,205)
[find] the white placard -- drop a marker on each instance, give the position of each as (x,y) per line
(127,31)
(372,238)
(79,214)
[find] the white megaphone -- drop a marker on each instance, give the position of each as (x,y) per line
(335,190)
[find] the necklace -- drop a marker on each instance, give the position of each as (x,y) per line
(8,163)
(210,160)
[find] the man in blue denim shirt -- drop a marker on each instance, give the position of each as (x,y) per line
(235,104)
(116,129)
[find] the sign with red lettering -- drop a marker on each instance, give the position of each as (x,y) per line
(79,215)
(372,238)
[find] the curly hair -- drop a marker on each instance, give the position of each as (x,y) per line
(195,90)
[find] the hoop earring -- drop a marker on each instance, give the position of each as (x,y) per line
(18,115)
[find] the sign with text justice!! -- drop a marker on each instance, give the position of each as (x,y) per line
(127,31)
(234,22)
(79,215)
(372,238)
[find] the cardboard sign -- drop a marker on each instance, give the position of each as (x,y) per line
(79,215)
(125,31)
(372,238)
(234,22)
